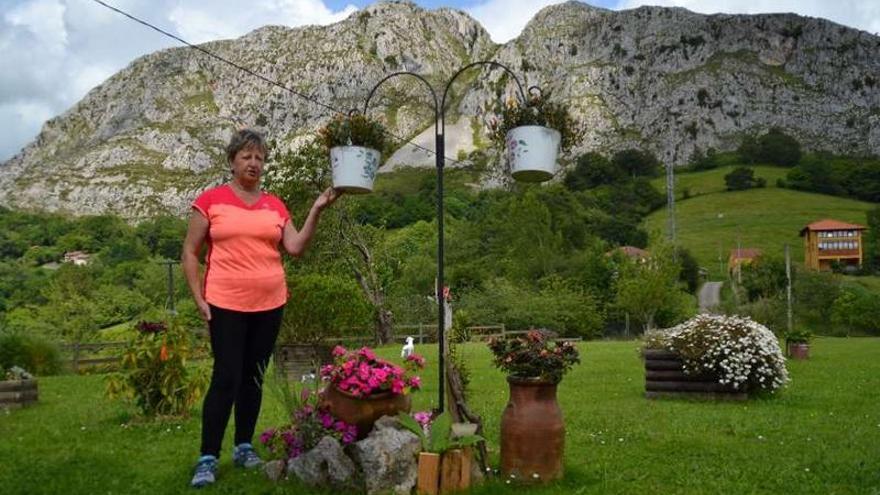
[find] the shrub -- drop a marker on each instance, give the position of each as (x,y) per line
(736,350)
(322,307)
(154,373)
(742,178)
(33,353)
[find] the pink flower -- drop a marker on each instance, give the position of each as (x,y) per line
(415,382)
(397,386)
(338,351)
(367,353)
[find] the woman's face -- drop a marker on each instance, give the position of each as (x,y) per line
(247,166)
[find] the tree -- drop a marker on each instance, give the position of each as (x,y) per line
(636,163)
(742,178)
(592,170)
(646,288)
(872,240)
(779,148)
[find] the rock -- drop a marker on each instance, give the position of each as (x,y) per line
(325,465)
(388,458)
(148,139)
(274,470)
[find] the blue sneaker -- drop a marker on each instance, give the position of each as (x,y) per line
(205,472)
(244,455)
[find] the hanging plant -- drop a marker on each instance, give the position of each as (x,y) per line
(533,134)
(356,144)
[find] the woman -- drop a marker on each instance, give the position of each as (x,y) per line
(242,294)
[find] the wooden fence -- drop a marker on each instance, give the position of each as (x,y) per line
(96,353)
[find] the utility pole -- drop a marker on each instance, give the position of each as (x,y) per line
(169,302)
(670,201)
(788,287)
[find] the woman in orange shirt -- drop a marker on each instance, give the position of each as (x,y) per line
(242,294)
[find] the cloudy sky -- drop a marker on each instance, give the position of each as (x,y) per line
(54,51)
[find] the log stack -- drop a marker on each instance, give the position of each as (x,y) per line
(17,393)
(665,377)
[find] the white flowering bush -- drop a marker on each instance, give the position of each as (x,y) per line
(737,350)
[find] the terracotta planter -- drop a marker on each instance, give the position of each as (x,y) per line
(364,411)
(532,431)
(798,350)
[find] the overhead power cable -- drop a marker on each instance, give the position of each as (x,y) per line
(255,74)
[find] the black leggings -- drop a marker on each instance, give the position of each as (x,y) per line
(242,344)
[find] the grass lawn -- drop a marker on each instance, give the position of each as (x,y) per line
(820,436)
(712,181)
(764,218)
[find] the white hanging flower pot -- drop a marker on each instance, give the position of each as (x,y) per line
(354,168)
(532,152)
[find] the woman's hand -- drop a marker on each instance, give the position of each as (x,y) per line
(204,309)
(327,198)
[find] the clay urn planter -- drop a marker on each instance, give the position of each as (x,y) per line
(532,431)
(363,412)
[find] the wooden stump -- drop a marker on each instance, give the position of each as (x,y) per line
(18,393)
(296,360)
(665,378)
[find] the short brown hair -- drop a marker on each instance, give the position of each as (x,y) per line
(246,138)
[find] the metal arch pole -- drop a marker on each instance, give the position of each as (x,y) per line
(440,159)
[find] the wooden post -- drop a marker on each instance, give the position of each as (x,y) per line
(788,286)
(76,357)
(428,481)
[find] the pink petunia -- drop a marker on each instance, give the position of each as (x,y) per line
(339,351)
(367,353)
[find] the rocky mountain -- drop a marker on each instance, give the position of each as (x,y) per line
(152,136)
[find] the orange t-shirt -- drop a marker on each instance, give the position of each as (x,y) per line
(244,271)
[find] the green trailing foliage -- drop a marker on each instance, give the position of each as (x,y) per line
(540,111)
(355,130)
(154,374)
(439,438)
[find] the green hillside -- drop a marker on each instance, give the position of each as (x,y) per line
(712,181)
(759,218)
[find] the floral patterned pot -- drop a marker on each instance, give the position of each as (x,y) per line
(532,152)
(354,168)
(364,411)
(532,431)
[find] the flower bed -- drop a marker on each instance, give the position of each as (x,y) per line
(712,355)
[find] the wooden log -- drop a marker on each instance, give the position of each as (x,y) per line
(19,396)
(675,376)
(662,364)
(428,481)
(739,396)
(455,471)
(15,385)
(653,386)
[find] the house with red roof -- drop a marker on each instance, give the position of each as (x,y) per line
(739,257)
(829,241)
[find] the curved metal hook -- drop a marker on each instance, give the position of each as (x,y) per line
(532,89)
(403,73)
(493,63)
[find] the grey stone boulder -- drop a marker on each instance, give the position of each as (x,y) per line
(388,458)
(326,465)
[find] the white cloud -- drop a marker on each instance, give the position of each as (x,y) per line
(505,19)
(55,51)
(861,14)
